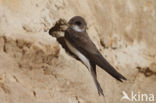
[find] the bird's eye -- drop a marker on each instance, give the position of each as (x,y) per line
(78,23)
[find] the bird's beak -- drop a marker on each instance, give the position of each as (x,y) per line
(68,25)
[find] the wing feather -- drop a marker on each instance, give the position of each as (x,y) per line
(83,43)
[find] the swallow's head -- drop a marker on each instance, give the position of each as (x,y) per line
(78,24)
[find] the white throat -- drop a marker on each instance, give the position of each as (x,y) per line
(77,28)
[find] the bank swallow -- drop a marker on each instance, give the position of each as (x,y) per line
(80,44)
(76,41)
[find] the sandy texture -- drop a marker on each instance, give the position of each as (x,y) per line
(34,68)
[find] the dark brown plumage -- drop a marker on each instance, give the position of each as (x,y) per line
(82,42)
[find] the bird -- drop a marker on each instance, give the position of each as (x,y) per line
(79,43)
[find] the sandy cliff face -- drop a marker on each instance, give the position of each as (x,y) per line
(34,68)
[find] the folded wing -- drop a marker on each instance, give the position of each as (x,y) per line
(83,43)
